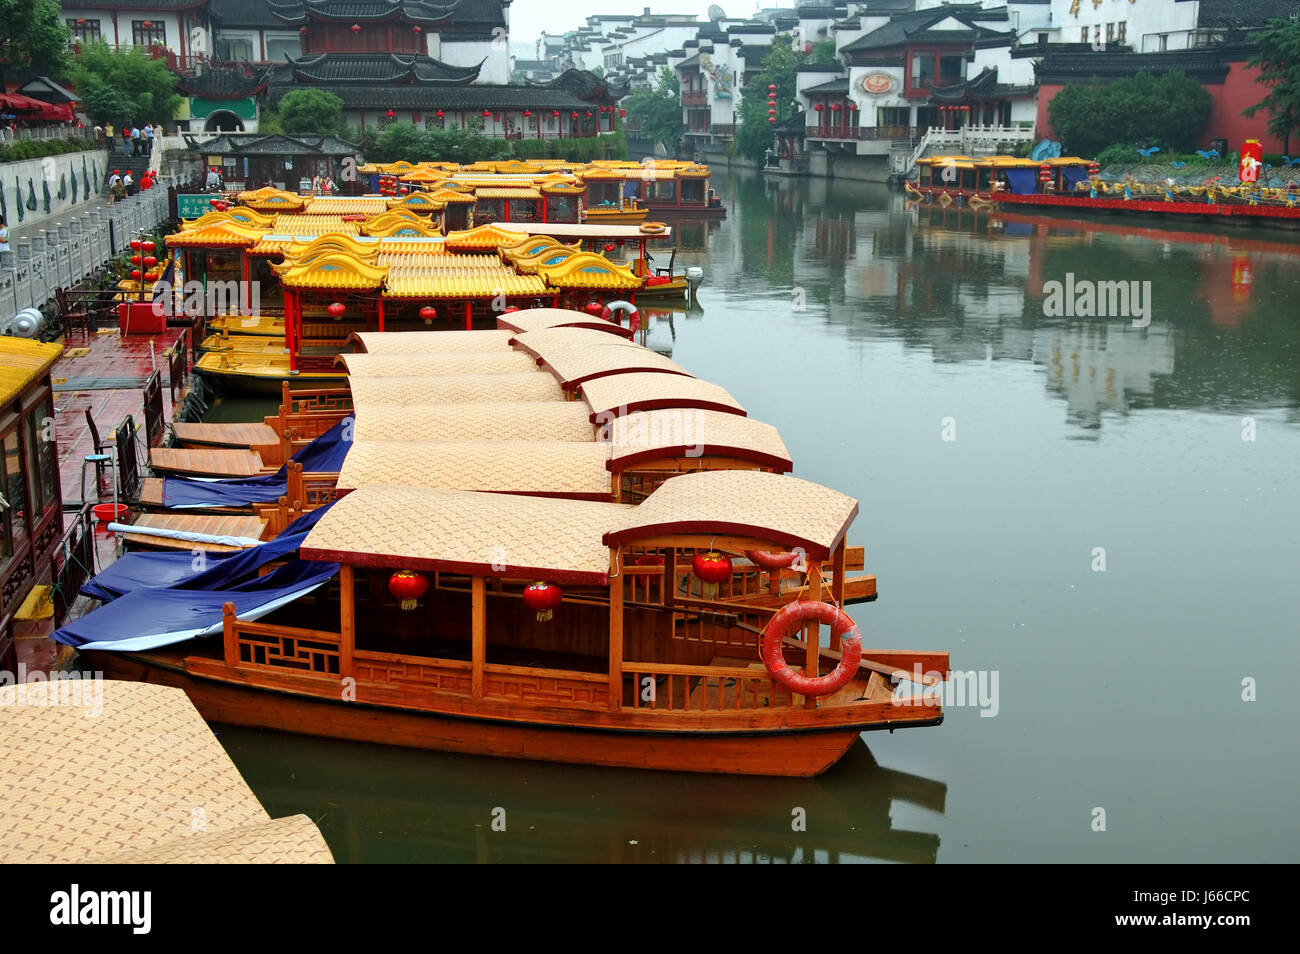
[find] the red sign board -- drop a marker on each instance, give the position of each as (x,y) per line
(1252,161)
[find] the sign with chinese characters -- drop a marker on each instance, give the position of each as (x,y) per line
(1252,161)
(192,206)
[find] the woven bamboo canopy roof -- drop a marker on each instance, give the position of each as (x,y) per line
(460,531)
(786,510)
(617,394)
(418,365)
(123,786)
(430,342)
(488,421)
(692,432)
(452,388)
(575,366)
(538,343)
(572,469)
(536,319)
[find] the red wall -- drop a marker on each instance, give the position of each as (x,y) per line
(1237,91)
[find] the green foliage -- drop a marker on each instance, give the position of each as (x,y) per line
(1169,110)
(33,36)
(755,136)
(314,111)
(1278,61)
(658,111)
(108,80)
(40,148)
(402,140)
(823,54)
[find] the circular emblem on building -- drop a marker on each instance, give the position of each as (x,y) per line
(877,83)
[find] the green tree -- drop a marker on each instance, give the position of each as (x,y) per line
(124,87)
(1168,110)
(32,36)
(658,112)
(755,136)
(310,110)
(1278,60)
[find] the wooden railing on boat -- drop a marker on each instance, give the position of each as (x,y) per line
(674,688)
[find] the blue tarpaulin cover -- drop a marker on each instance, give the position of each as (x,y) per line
(1072,175)
(151,618)
(1022,181)
(147,570)
(323,455)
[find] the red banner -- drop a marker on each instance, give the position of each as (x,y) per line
(1252,161)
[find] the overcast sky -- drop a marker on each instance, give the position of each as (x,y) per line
(528,18)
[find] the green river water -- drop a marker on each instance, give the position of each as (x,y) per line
(1000,455)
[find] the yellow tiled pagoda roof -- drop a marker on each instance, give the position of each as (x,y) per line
(513,192)
(299,224)
(248,218)
(399,226)
(346,205)
(483,283)
(334,271)
(588,270)
(424,202)
(218,235)
(272,200)
(445,195)
(483,237)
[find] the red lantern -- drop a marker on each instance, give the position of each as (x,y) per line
(542,599)
(609,246)
(711,569)
(302,31)
(136,244)
(416,30)
(819,107)
(622,113)
(593,308)
(554,113)
(150,261)
(428,313)
(356,28)
(771,119)
(527,113)
(853,106)
(589,114)
(836,107)
(149,245)
(391,114)
(574,115)
(439,114)
(135,259)
(135,274)
(336,309)
(147,24)
(771,87)
(407,587)
(771,112)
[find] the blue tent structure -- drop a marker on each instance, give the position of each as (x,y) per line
(323,455)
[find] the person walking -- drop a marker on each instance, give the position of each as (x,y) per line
(135,140)
(126,139)
(109,137)
(148,139)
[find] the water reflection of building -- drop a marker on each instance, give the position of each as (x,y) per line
(1103,366)
(410,806)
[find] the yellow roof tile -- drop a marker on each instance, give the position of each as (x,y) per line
(22,362)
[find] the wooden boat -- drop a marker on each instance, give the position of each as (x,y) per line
(639,666)
(1071,185)
(631,600)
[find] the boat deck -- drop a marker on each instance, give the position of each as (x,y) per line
(231,435)
(235,525)
(206,461)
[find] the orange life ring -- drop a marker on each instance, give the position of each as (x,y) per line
(653,228)
(772,561)
(789,620)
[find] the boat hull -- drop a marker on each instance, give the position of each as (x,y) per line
(687,211)
(795,753)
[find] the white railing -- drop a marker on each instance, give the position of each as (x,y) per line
(970,139)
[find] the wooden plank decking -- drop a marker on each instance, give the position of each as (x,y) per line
(236,435)
(238,525)
(206,462)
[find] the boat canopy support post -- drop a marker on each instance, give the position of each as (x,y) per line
(347,622)
(380,300)
(291,301)
(469,315)
(812,632)
(478,643)
(616,630)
